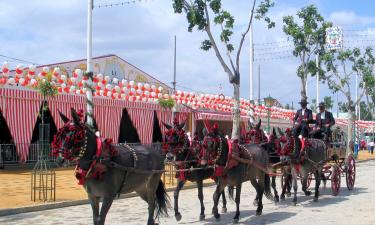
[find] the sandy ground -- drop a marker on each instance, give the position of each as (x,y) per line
(349,207)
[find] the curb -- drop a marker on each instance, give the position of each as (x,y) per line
(28,209)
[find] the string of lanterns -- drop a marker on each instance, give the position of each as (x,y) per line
(114,88)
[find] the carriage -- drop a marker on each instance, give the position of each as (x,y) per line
(337,165)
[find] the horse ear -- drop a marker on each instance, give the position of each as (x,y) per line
(204,131)
(250,124)
(75,116)
(280,131)
(274,132)
(182,125)
(258,125)
(63,117)
(167,126)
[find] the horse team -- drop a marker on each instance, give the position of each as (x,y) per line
(106,170)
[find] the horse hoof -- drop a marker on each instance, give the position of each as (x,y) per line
(282,197)
(224,210)
(294,203)
(202,217)
(288,194)
(307,193)
(258,213)
(178,216)
(277,199)
(235,221)
(315,199)
(217,217)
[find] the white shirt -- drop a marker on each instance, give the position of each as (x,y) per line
(323,115)
(303,112)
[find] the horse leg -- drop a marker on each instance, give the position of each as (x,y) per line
(273,184)
(200,196)
(238,198)
(295,187)
(256,187)
(304,184)
(224,209)
(180,185)
(317,184)
(219,189)
(106,205)
(289,184)
(94,202)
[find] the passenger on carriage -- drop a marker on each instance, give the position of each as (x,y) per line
(301,120)
(324,122)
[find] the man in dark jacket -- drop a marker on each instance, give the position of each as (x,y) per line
(324,122)
(301,120)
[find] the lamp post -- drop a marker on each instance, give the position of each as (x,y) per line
(268,102)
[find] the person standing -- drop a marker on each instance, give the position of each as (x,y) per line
(324,122)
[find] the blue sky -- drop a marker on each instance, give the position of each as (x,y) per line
(142,33)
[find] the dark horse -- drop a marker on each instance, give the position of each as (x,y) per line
(310,159)
(117,170)
(236,175)
(187,156)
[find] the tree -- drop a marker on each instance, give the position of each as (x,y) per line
(198,14)
(308,37)
(366,111)
(328,101)
(340,69)
(313,105)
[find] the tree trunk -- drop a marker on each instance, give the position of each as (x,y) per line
(236,112)
(351,121)
(303,89)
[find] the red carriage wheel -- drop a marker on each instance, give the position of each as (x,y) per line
(350,172)
(309,179)
(335,180)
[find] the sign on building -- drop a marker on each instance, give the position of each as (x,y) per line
(334,38)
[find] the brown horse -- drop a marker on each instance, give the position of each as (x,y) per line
(110,170)
(185,156)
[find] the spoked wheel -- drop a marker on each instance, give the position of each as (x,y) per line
(309,179)
(350,172)
(335,180)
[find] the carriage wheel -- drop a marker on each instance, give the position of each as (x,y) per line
(350,172)
(335,180)
(309,179)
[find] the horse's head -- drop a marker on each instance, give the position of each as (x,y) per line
(70,140)
(213,146)
(175,140)
(256,135)
(275,141)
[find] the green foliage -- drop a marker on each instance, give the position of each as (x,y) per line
(46,87)
(166,103)
(308,36)
(367,111)
(196,15)
(328,101)
(341,68)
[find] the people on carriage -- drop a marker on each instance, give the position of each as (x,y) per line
(324,122)
(301,120)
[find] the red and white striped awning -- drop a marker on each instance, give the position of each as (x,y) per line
(216,116)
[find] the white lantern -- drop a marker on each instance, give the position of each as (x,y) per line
(124,82)
(147,86)
(160,95)
(45,69)
(108,86)
(153,87)
(99,76)
(131,83)
(115,80)
(107,78)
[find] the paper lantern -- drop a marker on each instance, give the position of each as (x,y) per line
(56,71)
(115,80)
(124,82)
(45,70)
(5,68)
(99,76)
(131,83)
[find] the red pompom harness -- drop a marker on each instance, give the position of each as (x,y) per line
(104,151)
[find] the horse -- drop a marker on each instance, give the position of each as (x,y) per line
(106,170)
(307,157)
(272,145)
(187,156)
(228,173)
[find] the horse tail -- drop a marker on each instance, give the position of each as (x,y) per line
(231,192)
(267,187)
(162,201)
